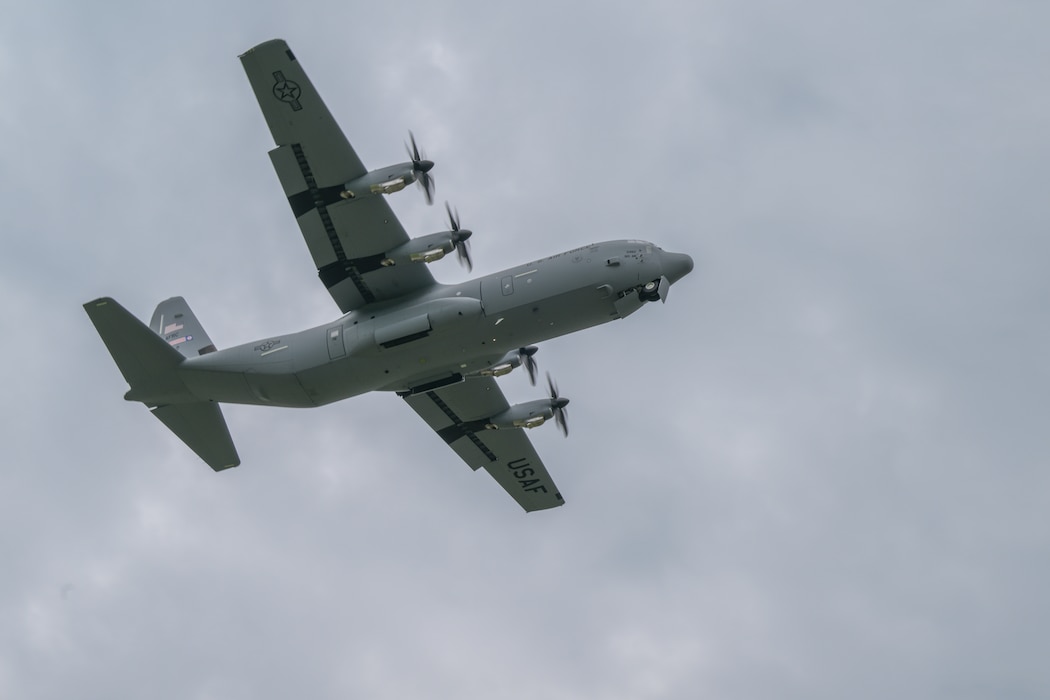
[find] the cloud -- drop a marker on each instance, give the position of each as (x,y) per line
(818,470)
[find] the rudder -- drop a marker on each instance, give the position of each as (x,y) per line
(178,326)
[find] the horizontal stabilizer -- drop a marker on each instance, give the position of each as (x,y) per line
(202,427)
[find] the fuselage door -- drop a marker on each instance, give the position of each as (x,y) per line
(336,349)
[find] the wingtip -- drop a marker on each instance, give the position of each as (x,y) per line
(95,303)
(280,44)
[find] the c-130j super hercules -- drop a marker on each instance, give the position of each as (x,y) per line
(440,347)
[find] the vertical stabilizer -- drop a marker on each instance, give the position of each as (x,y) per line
(174,321)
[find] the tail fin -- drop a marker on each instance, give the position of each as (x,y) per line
(150,365)
(180,329)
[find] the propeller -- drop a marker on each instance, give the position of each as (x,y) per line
(558,404)
(459,238)
(528,361)
(422,167)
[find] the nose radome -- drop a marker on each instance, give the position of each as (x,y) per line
(676,266)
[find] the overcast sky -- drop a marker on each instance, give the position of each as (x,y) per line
(819,471)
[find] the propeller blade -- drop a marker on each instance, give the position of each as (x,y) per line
(529,362)
(558,404)
(561,417)
(453,219)
(422,167)
(459,237)
(413,153)
(463,254)
(426,181)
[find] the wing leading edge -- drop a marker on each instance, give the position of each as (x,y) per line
(459,413)
(314,160)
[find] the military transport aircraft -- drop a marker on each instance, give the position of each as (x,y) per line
(440,347)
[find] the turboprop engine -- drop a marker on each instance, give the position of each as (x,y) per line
(532,414)
(435,246)
(513,359)
(423,249)
(395,177)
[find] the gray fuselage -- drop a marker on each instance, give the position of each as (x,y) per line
(444,333)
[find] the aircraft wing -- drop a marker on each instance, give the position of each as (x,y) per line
(314,160)
(458,414)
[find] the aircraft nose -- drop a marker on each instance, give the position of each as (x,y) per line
(676,266)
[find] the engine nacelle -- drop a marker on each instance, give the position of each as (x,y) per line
(505,365)
(383,181)
(523,415)
(424,249)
